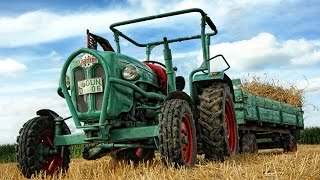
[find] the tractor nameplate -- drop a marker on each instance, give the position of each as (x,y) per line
(89,86)
(87,60)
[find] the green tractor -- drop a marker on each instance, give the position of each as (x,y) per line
(130,109)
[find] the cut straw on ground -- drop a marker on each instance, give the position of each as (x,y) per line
(267,164)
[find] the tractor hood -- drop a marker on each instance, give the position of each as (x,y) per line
(91,84)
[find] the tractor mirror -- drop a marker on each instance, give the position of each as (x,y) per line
(218,63)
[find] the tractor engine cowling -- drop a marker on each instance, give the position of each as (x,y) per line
(88,81)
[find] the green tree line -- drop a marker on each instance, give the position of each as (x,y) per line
(8,152)
(310,135)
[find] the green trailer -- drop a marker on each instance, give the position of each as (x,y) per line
(264,123)
(129,109)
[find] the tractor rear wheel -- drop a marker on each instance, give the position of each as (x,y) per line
(136,155)
(35,150)
(289,143)
(219,132)
(249,144)
(177,136)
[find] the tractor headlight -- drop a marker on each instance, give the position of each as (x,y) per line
(67,82)
(130,72)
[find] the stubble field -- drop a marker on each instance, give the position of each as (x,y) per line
(267,164)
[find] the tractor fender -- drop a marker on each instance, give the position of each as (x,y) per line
(54,115)
(227,80)
(60,93)
(184,96)
(223,78)
(47,112)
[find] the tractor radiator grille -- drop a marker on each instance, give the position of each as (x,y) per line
(99,72)
(82,106)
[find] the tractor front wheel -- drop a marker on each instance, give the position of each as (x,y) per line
(177,136)
(35,150)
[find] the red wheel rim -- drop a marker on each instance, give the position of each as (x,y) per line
(139,152)
(53,162)
(186,140)
(293,146)
(231,126)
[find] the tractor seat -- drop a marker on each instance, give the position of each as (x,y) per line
(180,83)
(162,78)
(161,74)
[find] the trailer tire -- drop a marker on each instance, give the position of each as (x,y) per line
(177,134)
(219,132)
(289,143)
(35,136)
(249,144)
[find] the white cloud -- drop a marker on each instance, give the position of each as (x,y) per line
(147,5)
(223,6)
(312,109)
(27,87)
(47,56)
(175,56)
(49,70)
(10,66)
(42,26)
(311,116)
(54,56)
(27,106)
(311,85)
(311,57)
(17,110)
(265,50)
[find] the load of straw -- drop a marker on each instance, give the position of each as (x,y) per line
(273,90)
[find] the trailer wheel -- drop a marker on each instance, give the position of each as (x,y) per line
(219,132)
(249,144)
(289,143)
(136,155)
(177,136)
(35,150)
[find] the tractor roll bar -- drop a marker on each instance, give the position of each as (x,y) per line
(211,25)
(205,20)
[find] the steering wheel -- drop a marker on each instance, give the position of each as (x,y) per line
(156,62)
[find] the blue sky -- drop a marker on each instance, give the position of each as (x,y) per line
(274,39)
